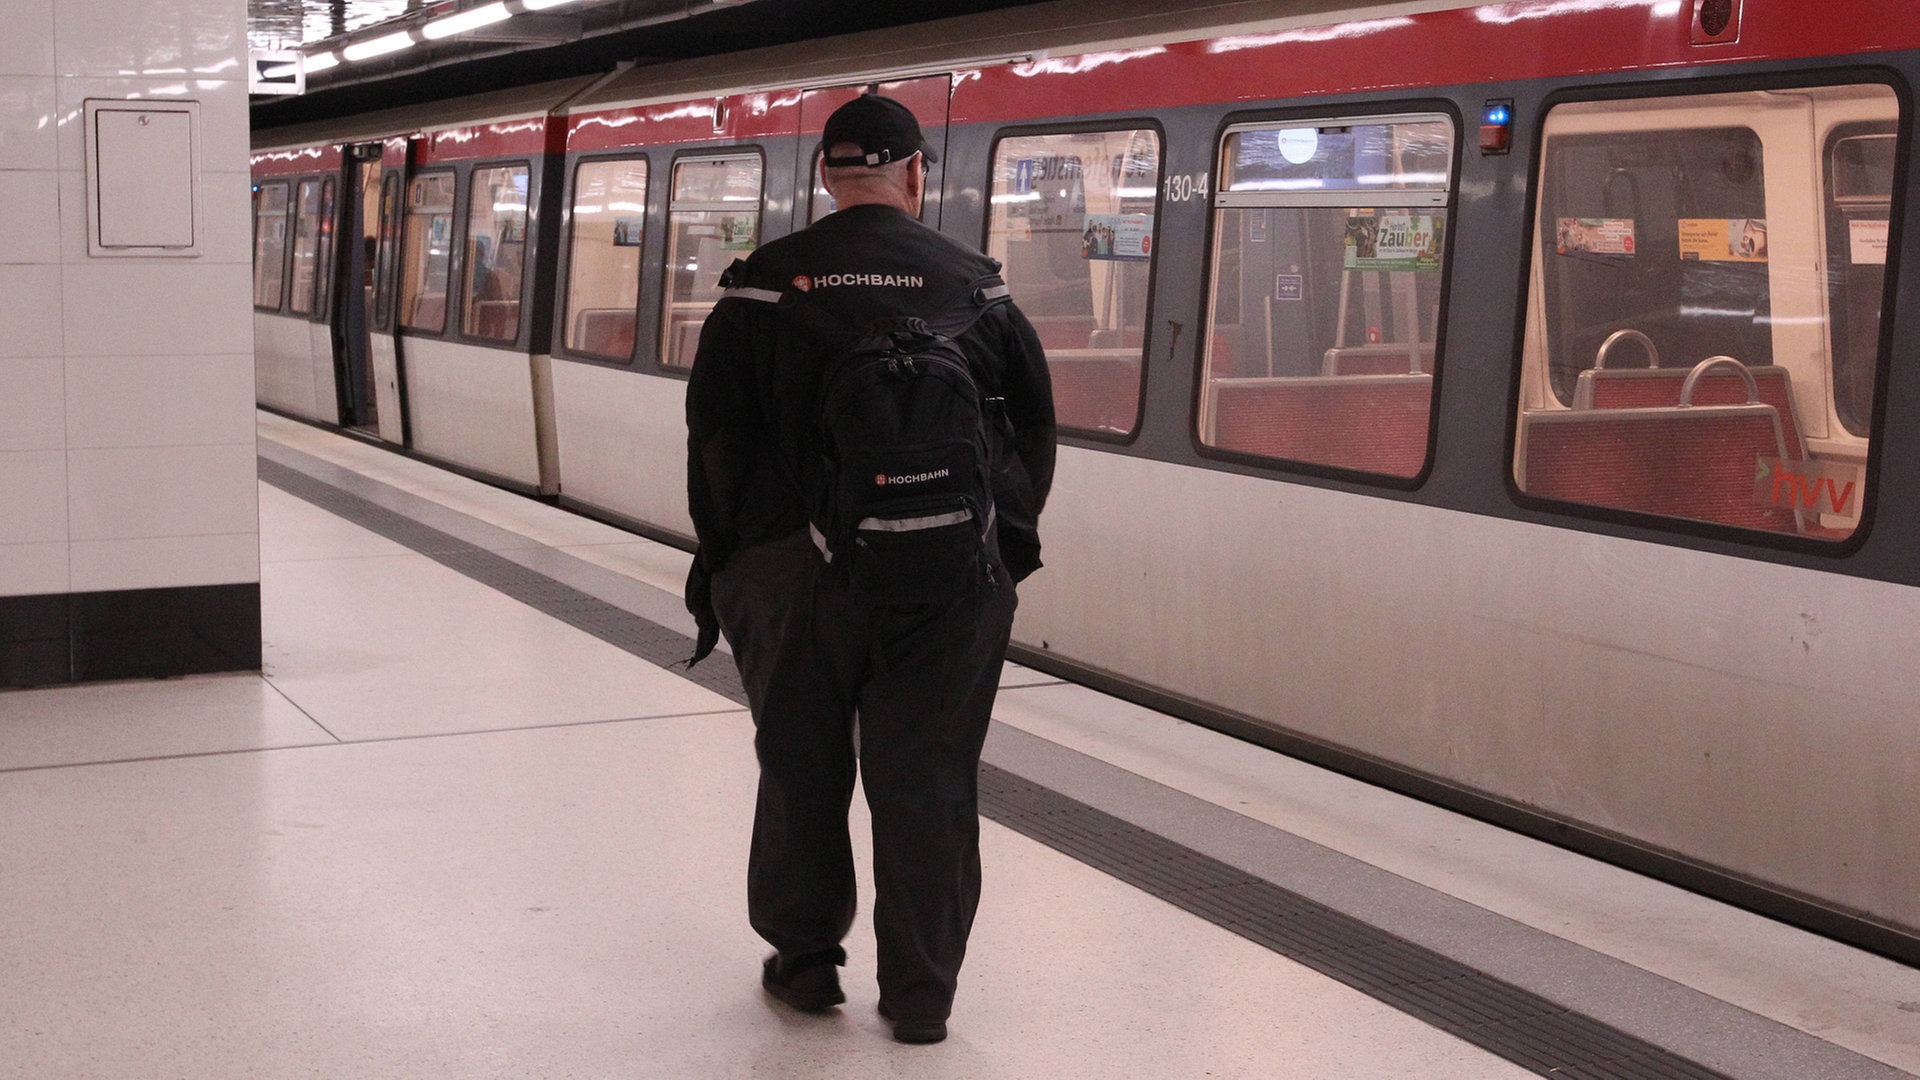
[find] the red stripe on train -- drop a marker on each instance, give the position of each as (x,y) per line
(1489,43)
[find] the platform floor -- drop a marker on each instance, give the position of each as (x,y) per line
(446,833)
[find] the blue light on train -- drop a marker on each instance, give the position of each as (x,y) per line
(1496,126)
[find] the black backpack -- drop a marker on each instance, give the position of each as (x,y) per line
(905,444)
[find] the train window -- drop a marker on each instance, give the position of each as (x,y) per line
(1703,317)
(714,218)
(269,245)
(306,246)
(1859,184)
(1329,246)
(427,248)
(819,201)
(323,255)
(603,271)
(496,252)
(1072,221)
(389,240)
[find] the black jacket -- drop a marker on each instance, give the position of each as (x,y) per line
(750,401)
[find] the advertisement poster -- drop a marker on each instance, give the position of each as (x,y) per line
(1594,236)
(1117,237)
(1723,239)
(1867,240)
(1393,241)
(737,231)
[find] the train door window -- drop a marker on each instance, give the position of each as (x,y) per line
(1072,222)
(496,252)
(427,249)
(713,219)
(306,246)
(1329,249)
(603,269)
(323,254)
(819,200)
(382,314)
(269,245)
(1859,184)
(1703,315)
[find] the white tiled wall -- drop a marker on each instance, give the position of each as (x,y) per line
(126,384)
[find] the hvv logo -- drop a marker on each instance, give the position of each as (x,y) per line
(1813,486)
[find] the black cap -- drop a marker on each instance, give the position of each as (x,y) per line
(881,127)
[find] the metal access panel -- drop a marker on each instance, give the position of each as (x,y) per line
(143,178)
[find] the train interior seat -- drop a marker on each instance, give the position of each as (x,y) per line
(496,320)
(1373,423)
(1097,393)
(1375,360)
(1695,462)
(605,331)
(429,311)
(1647,388)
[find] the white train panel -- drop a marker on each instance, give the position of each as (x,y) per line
(1739,712)
(623,443)
(473,407)
(283,366)
(386,389)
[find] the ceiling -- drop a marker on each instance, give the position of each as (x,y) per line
(275,24)
(583,37)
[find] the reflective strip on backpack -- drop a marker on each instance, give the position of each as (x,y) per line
(993,292)
(766,296)
(898,525)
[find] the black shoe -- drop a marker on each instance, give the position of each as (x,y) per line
(810,986)
(918,1032)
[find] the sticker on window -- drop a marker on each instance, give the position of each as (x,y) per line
(1594,236)
(1824,487)
(1393,241)
(1126,237)
(1723,239)
(1867,242)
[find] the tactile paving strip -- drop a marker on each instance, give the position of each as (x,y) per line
(1498,1017)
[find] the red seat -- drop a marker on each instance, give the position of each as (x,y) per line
(604,332)
(1371,423)
(496,320)
(1651,388)
(1063,331)
(1373,360)
(1696,463)
(1097,393)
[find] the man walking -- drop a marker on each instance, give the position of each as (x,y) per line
(816,650)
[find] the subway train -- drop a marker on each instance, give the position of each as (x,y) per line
(1508,403)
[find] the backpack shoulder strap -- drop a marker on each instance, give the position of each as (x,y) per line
(982,295)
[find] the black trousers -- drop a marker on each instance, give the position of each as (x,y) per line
(921,682)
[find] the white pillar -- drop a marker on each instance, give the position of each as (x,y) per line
(129,515)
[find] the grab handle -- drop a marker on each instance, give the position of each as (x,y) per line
(1645,343)
(1711,362)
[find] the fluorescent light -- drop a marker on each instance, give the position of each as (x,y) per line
(379,46)
(471,19)
(320,62)
(542,5)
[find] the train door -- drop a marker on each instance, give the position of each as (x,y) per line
(927,96)
(353,324)
(389,381)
